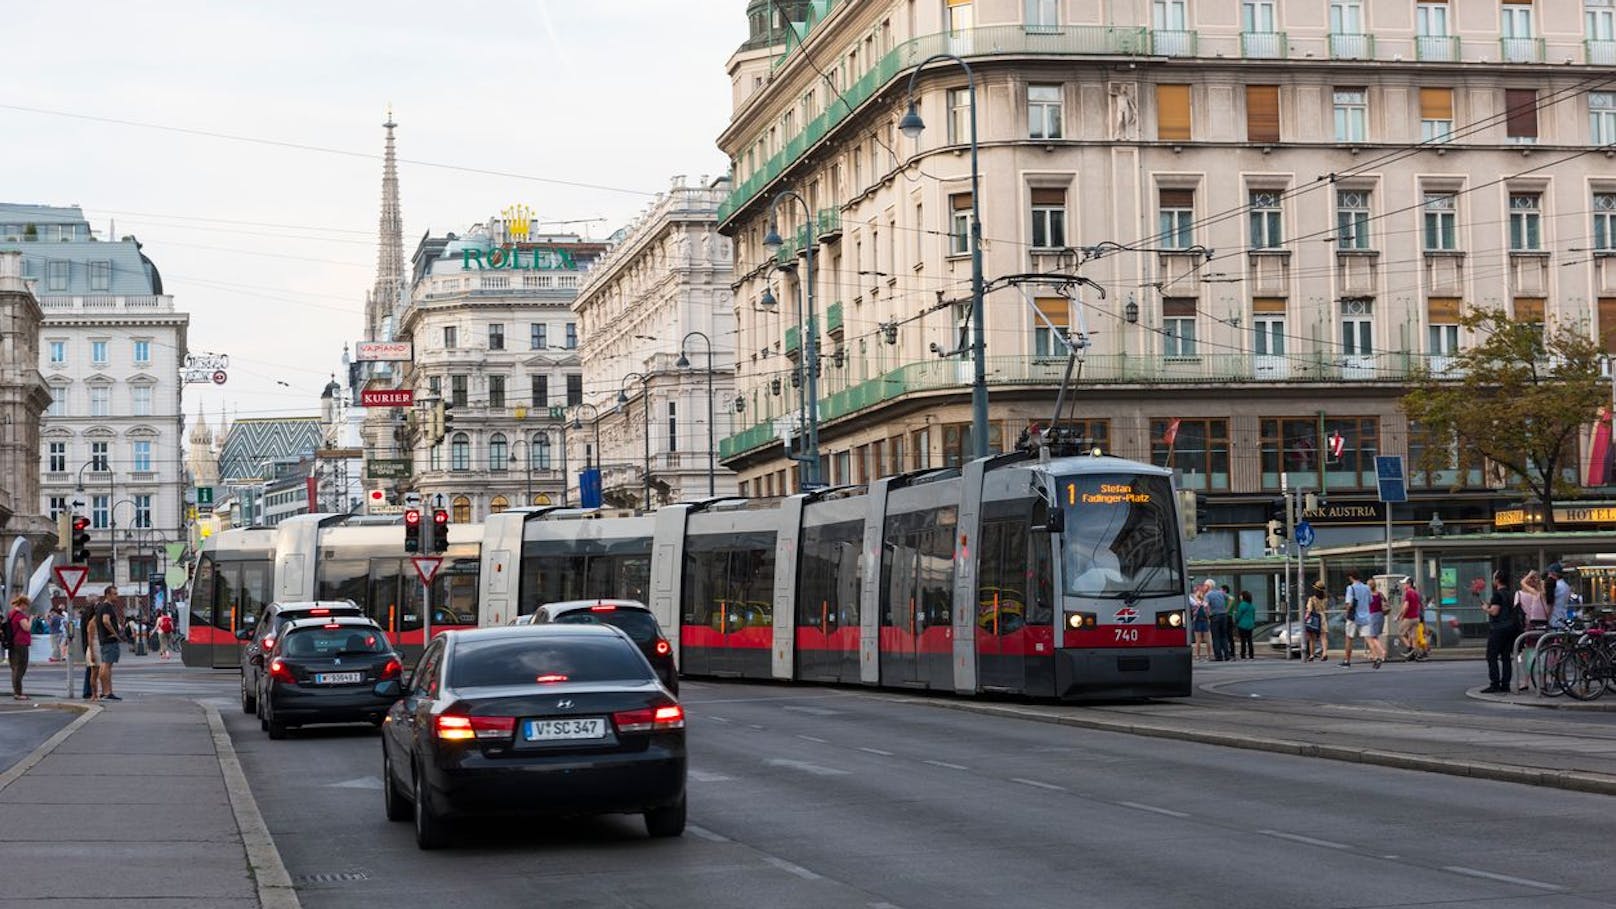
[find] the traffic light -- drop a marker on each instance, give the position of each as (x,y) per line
(81,540)
(445,419)
(1188,523)
(440,530)
(1276,534)
(412,530)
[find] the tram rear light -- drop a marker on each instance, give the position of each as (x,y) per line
(1077,621)
(1170,620)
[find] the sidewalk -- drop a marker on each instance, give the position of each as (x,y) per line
(141,800)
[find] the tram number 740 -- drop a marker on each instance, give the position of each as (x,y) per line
(1129,635)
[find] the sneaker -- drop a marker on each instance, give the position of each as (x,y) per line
(1346,663)
(110,697)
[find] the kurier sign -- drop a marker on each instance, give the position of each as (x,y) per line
(387,397)
(385,351)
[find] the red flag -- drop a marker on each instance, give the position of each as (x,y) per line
(1172,431)
(1599,458)
(1338,444)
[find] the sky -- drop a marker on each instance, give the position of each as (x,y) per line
(271,248)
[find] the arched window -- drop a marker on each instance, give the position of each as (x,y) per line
(460,453)
(540,498)
(498,504)
(541,451)
(498,452)
(462,510)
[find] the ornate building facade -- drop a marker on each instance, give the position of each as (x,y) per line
(23,399)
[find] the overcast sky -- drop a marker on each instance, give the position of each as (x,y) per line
(271,248)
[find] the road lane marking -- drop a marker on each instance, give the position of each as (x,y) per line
(706,834)
(883,906)
(1504,878)
(754,726)
(364,782)
(1153,809)
(813,739)
(703,776)
(1298,838)
(1051,786)
(814,711)
(718,719)
(806,767)
(876,751)
(792,868)
(945,764)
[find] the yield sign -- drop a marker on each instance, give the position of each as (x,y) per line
(71,577)
(427,567)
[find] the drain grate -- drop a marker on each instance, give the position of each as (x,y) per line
(337,877)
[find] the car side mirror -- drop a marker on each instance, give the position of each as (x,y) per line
(1054,522)
(390,689)
(256,659)
(244,634)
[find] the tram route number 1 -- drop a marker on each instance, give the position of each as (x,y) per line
(1129,635)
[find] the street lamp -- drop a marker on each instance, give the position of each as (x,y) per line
(622,398)
(593,419)
(810,343)
(527,449)
(1436,525)
(684,363)
(912,125)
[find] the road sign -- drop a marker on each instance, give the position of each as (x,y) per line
(388,468)
(1304,534)
(204,495)
(219,377)
(1389,476)
(427,567)
(412,499)
(71,577)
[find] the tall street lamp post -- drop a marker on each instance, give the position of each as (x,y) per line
(645,394)
(712,448)
(912,125)
(527,449)
(810,343)
(579,424)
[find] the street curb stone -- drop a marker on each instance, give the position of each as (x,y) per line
(274,884)
(1541,703)
(87,712)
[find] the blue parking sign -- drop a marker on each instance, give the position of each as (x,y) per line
(1389,477)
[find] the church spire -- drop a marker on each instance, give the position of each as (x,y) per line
(388,293)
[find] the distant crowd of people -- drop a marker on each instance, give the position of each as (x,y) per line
(1221,624)
(98,632)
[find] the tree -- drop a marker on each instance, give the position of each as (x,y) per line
(1521,398)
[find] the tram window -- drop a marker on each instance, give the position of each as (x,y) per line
(1121,536)
(383,603)
(343,579)
(256,582)
(937,578)
(898,558)
(830,575)
(203,588)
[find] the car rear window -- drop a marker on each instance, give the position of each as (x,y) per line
(639,624)
(326,642)
(524,660)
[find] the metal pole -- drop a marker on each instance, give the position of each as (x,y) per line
(712,415)
(646,432)
(1290,591)
(979,382)
(810,351)
(565,481)
(527,450)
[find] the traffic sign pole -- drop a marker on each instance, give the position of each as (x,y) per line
(428,535)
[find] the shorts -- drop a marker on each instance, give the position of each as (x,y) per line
(1377,624)
(109,653)
(1404,626)
(1201,626)
(1354,630)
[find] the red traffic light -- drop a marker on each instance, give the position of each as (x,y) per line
(440,517)
(81,523)
(412,517)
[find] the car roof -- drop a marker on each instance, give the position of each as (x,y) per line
(346,621)
(561,606)
(296,605)
(501,632)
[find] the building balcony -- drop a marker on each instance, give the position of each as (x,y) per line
(1264,45)
(1599,52)
(833,320)
(793,340)
(1166,43)
(1352,47)
(828,224)
(1437,48)
(1521,50)
(103,303)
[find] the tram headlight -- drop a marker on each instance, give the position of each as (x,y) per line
(1077,621)
(1170,620)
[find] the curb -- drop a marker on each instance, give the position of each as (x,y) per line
(87,712)
(274,885)
(1576,781)
(1541,703)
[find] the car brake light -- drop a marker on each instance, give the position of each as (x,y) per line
(602,608)
(269,642)
(550,677)
(332,625)
(453,728)
(663,648)
(319,612)
(391,670)
(650,719)
(279,671)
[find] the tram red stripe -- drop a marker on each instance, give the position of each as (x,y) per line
(742,639)
(1107,636)
(843,640)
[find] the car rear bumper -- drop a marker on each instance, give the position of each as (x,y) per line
(560,785)
(356,704)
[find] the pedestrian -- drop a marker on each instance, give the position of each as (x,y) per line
(1377,622)
(58,633)
(1200,622)
(1245,622)
(1408,620)
(92,651)
(21,638)
(1558,595)
(165,634)
(1533,601)
(1501,632)
(1314,618)
(1358,623)
(107,617)
(1217,606)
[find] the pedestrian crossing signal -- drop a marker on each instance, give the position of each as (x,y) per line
(440,530)
(412,530)
(81,541)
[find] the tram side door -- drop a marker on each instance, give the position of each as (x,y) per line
(1003,584)
(242,589)
(902,613)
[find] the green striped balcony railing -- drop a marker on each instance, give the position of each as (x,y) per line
(1436,48)
(1264,45)
(1167,43)
(833,317)
(1521,50)
(1352,47)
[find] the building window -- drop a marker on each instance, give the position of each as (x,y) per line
(58,404)
(450,337)
(496,336)
(1170,34)
(99,460)
(142,351)
(541,451)
(101,275)
(1196,450)
(673,427)
(575,389)
(496,391)
(538,336)
(959,114)
(140,397)
(1436,114)
(100,400)
(1177,218)
(1043,111)
(1520,106)
(1605,221)
(460,452)
(1178,327)
(1602,118)
(1441,222)
(142,450)
(1049,327)
(1352,219)
(457,391)
(1262,113)
(1294,445)
(571,341)
(56,457)
(435,457)
(498,504)
(1442,340)
(1173,113)
(541,390)
(1043,15)
(1357,327)
(1525,222)
(98,353)
(100,512)
(1268,335)
(1351,115)
(1048,218)
(1516,32)
(58,353)
(461,510)
(498,452)
(1599,17)
(58,505)
(1431,40)
(434,386)
(959,235)
(143,514)
(1266,232)
(56,272)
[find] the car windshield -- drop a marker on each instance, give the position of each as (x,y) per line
(526,660)
(636,622)
(1121,538)
(329,642)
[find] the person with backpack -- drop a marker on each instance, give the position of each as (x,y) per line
(165,634)
(18,636)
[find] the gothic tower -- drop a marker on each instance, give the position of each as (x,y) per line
(384,300)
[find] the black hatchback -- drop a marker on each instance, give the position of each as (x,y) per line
(327,670)
(534,720)
(631,616)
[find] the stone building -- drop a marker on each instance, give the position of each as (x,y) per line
(23,399)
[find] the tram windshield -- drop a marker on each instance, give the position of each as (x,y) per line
(1121,537)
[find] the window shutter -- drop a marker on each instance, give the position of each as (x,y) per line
(1262,113)
(1521,103)
(1055,309)
(1443,310)
(1178,198)
(1529,309)
(1436,104)
(1055,197)
(1178,307)
(1268,304)
(1607,324)
(960,201)
(1172,112)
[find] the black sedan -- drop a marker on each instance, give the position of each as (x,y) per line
(534,720)
(327,670)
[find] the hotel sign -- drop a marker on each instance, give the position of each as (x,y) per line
(385,351)
(1511,518)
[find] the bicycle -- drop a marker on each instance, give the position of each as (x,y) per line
(1588,671)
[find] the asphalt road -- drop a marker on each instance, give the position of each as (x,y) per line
(803,797)
(23,728)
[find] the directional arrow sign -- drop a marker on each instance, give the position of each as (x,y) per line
(427,567)
(71,577)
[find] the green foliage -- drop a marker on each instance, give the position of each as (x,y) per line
(1521,396)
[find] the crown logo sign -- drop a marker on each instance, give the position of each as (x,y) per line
(518,222)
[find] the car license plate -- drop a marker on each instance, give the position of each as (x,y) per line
(338,678)
(560,730)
